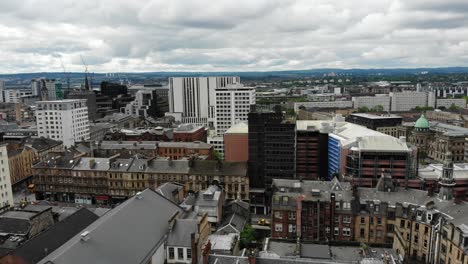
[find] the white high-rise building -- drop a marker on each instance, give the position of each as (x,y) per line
(233,103)
(6,192)
(372,102)
(405,101)
(195,97)
(64,120)
(14,95)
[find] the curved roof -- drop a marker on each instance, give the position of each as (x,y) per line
(422,122)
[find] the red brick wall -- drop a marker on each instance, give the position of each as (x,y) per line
(236,147)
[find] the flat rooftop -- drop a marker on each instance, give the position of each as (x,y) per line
(371,116)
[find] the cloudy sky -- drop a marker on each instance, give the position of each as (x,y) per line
(231,35)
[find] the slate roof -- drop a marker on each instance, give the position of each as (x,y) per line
(180,235)
(211,167)
(130,233)
(168,188)
(14,226)
(42,144)
(34,250)
(233,223)
(295,188)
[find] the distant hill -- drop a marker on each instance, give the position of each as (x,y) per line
(252,74)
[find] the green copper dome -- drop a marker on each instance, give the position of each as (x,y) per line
(422,123)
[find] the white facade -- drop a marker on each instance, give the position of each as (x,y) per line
(232,104)
(141,104)
(64,120)
(217,142)
(372,101)
(178,255)
(195,97)
(14,95)
(326,104)
(6,192)
(431,99)
(405,101)
(447,103)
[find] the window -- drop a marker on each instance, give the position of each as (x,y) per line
(285,200)
(363,220)
(346,231)
(426,230)
(379,220)
(337,219)
(362,232)
(171,253)
(390,228)
(425,243)
(416,239)
(180,253)
(346,205)
(278,215)
(416,227)
(337,205)
(337,231)
(346,219)
(292,215)
(402,223)
(279,227)
(292,228)
(429,217)
(379,233)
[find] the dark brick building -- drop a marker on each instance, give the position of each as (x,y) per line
(271,148)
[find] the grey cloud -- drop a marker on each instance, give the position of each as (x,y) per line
(141,35)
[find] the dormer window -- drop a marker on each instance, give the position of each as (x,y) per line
(429,217)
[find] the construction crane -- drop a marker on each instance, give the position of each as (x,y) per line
(67,74)
(87,86)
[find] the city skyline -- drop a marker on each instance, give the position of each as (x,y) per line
(152,36)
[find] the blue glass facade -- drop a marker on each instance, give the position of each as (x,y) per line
(334,153)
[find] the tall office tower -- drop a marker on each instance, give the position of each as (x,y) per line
(147,103)
(271,148)
(195,97)
(6,193)
(45,88)
(36,87)
(2,89)
(64,120)
(233,104)
(113,90)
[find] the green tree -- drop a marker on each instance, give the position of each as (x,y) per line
(217,155)
(453,107)
(378,108)
(247,236)
(363,109)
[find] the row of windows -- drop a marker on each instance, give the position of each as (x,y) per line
(180,253)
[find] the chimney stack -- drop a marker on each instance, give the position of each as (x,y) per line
(206,251)
(252,256)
